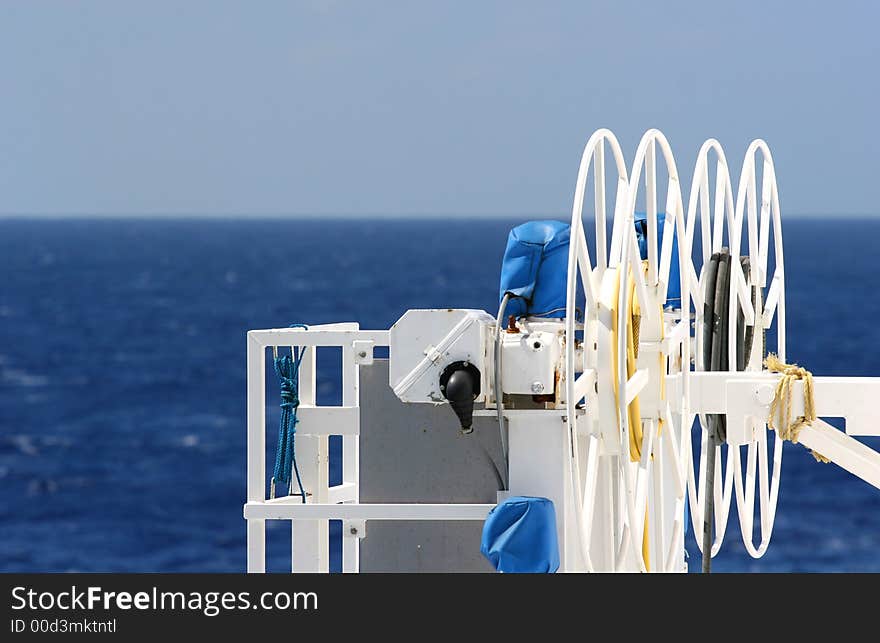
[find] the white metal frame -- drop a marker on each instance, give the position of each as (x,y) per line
(310,520)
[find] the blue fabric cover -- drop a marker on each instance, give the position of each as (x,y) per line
(519,536)
(535,268)
(673,290)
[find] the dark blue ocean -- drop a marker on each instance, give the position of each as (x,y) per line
(122,375)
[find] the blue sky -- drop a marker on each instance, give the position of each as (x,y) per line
(414,108)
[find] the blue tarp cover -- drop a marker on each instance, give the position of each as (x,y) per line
(535,268)
(519,536)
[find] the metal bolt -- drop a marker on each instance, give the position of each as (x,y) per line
(536,345)
(353,531)
(362,354)
(537,387)
(764,395)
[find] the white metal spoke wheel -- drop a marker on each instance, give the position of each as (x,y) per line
(724,227)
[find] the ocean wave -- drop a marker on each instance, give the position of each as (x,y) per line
(18,377)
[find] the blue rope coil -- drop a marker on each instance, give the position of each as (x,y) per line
(287,369)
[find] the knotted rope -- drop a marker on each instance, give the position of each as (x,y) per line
(287,369)
(780,408)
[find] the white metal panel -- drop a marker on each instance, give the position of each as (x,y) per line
(424,342)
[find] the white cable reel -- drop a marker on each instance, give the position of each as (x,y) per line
(661,453)
(765,315)
(581,369)
(757,313)
(606,417)
(597,417)
(711,228)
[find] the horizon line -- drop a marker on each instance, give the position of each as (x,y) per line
(351,215)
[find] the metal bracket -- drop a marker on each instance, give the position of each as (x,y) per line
(745,398)
(432,353)
(354,529)
(363,351)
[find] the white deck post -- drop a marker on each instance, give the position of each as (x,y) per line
(256,451)
(350,457)
(310,546)
(538,453)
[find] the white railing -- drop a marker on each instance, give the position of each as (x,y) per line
(310,520)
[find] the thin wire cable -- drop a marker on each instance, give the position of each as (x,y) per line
(499,394)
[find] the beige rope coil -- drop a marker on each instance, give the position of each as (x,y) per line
(780,409)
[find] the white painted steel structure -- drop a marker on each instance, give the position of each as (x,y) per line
(575,449)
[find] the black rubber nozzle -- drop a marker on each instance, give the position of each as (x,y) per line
(460,384)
